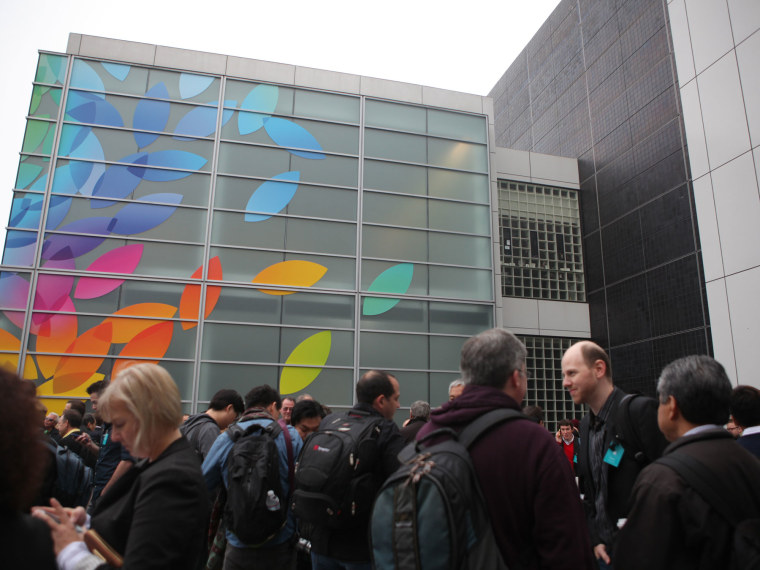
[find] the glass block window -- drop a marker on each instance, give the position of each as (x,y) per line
(541,251)
(545,380)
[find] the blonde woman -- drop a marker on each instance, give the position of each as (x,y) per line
(155,515)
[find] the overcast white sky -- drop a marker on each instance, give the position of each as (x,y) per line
(463,46)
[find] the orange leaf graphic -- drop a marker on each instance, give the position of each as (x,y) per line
(190,302)
(293,273)
(152,342)
(73,371)
(125,329)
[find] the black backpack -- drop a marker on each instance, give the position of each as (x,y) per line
(336,475)
(256,509)
(73,479)
(430,514)
(745,549)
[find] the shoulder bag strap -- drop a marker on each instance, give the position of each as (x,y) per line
(472,432)
(289,447)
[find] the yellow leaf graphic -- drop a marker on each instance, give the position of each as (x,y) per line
(293,273)
(311,353)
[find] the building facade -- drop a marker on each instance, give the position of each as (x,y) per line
(243,222)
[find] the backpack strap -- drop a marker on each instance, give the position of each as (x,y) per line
(289,448)
(472,432)
(703,481)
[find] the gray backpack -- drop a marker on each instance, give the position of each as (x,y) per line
(430,514)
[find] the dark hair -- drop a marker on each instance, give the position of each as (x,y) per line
(88,419)
(21,445)
(306,409)
(79,406)
(700,386)
(489,358)
(372,384)
(566,422)
(97,387)
(73,417)
(224,398)
(262,396)
(534,412)
(745,406)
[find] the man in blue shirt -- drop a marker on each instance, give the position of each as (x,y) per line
(279,552)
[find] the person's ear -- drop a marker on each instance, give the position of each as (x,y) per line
(600,368)
(673,410)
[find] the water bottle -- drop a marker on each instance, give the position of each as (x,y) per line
(273,501)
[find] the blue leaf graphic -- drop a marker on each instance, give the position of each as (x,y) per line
(116,182)
(191,85)
(89,108)
(151,115)
(262,98)
(27,172)
(272,196)
(26,211)
(288,134)
(118,70)
(199,122)
(57,210)
(137,218)
(250,122)
(84,76)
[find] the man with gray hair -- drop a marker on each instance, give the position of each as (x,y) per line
(455,388)
(419,414)
(674,523)
(528,487)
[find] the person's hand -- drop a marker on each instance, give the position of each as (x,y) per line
(77,515)
(600,551)
(85,439)
(558,438)
(61,525)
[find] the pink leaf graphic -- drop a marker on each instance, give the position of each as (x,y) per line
(120,260)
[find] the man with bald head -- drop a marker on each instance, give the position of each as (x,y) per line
(619,438)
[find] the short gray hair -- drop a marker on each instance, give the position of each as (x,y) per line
(455,383)
(489,358)
(420,409)
(701,387)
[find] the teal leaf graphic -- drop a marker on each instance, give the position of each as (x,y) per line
(394,280)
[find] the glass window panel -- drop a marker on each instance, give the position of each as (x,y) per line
(333,387)
(460,318)
(243,265)
(181,224)
(459,185)
(241,377)
(51,69)
(242,343)
(445,351)
(134,292)
(313,309)
(320,105)
(266,162)
(312,201)
(394,243)
(461,250)
(320,237)
(238,91)
(458,283)
(114,145)
(38,137)
(32,172)
(406,316)
(244,304)
(372,269)
(15,285)
(119,111)
(395,146)
(94,75)
(461,155)
(458,217)
(20,247)
(389,351)
(45,102)
(457,126)
(331,137)
(26,210)
(395,177)
(395,210)
(186,85)
(395,116)
(341,352)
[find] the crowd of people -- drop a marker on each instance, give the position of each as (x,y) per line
(258,481)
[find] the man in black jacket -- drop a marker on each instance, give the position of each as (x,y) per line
(618,440)
(201,430)
(671,525)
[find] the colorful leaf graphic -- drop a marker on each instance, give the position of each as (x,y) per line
(293,273)
(8,341)
(117,70)
(84,76)
(136,218)
(312,352)
(395,280)
(14,291)
(189,303)
(272,196)
(151,115)
(26,212)
(73,371)
(35,134)
(126,328)
(153,342)
(27,173)
(116,182)
(19,248)
(58,207)
(120,260)
(86,107)
(56,334)
(191,85)
(263,99)
(80,142)
(61,246)
(199,122)
(288,134)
